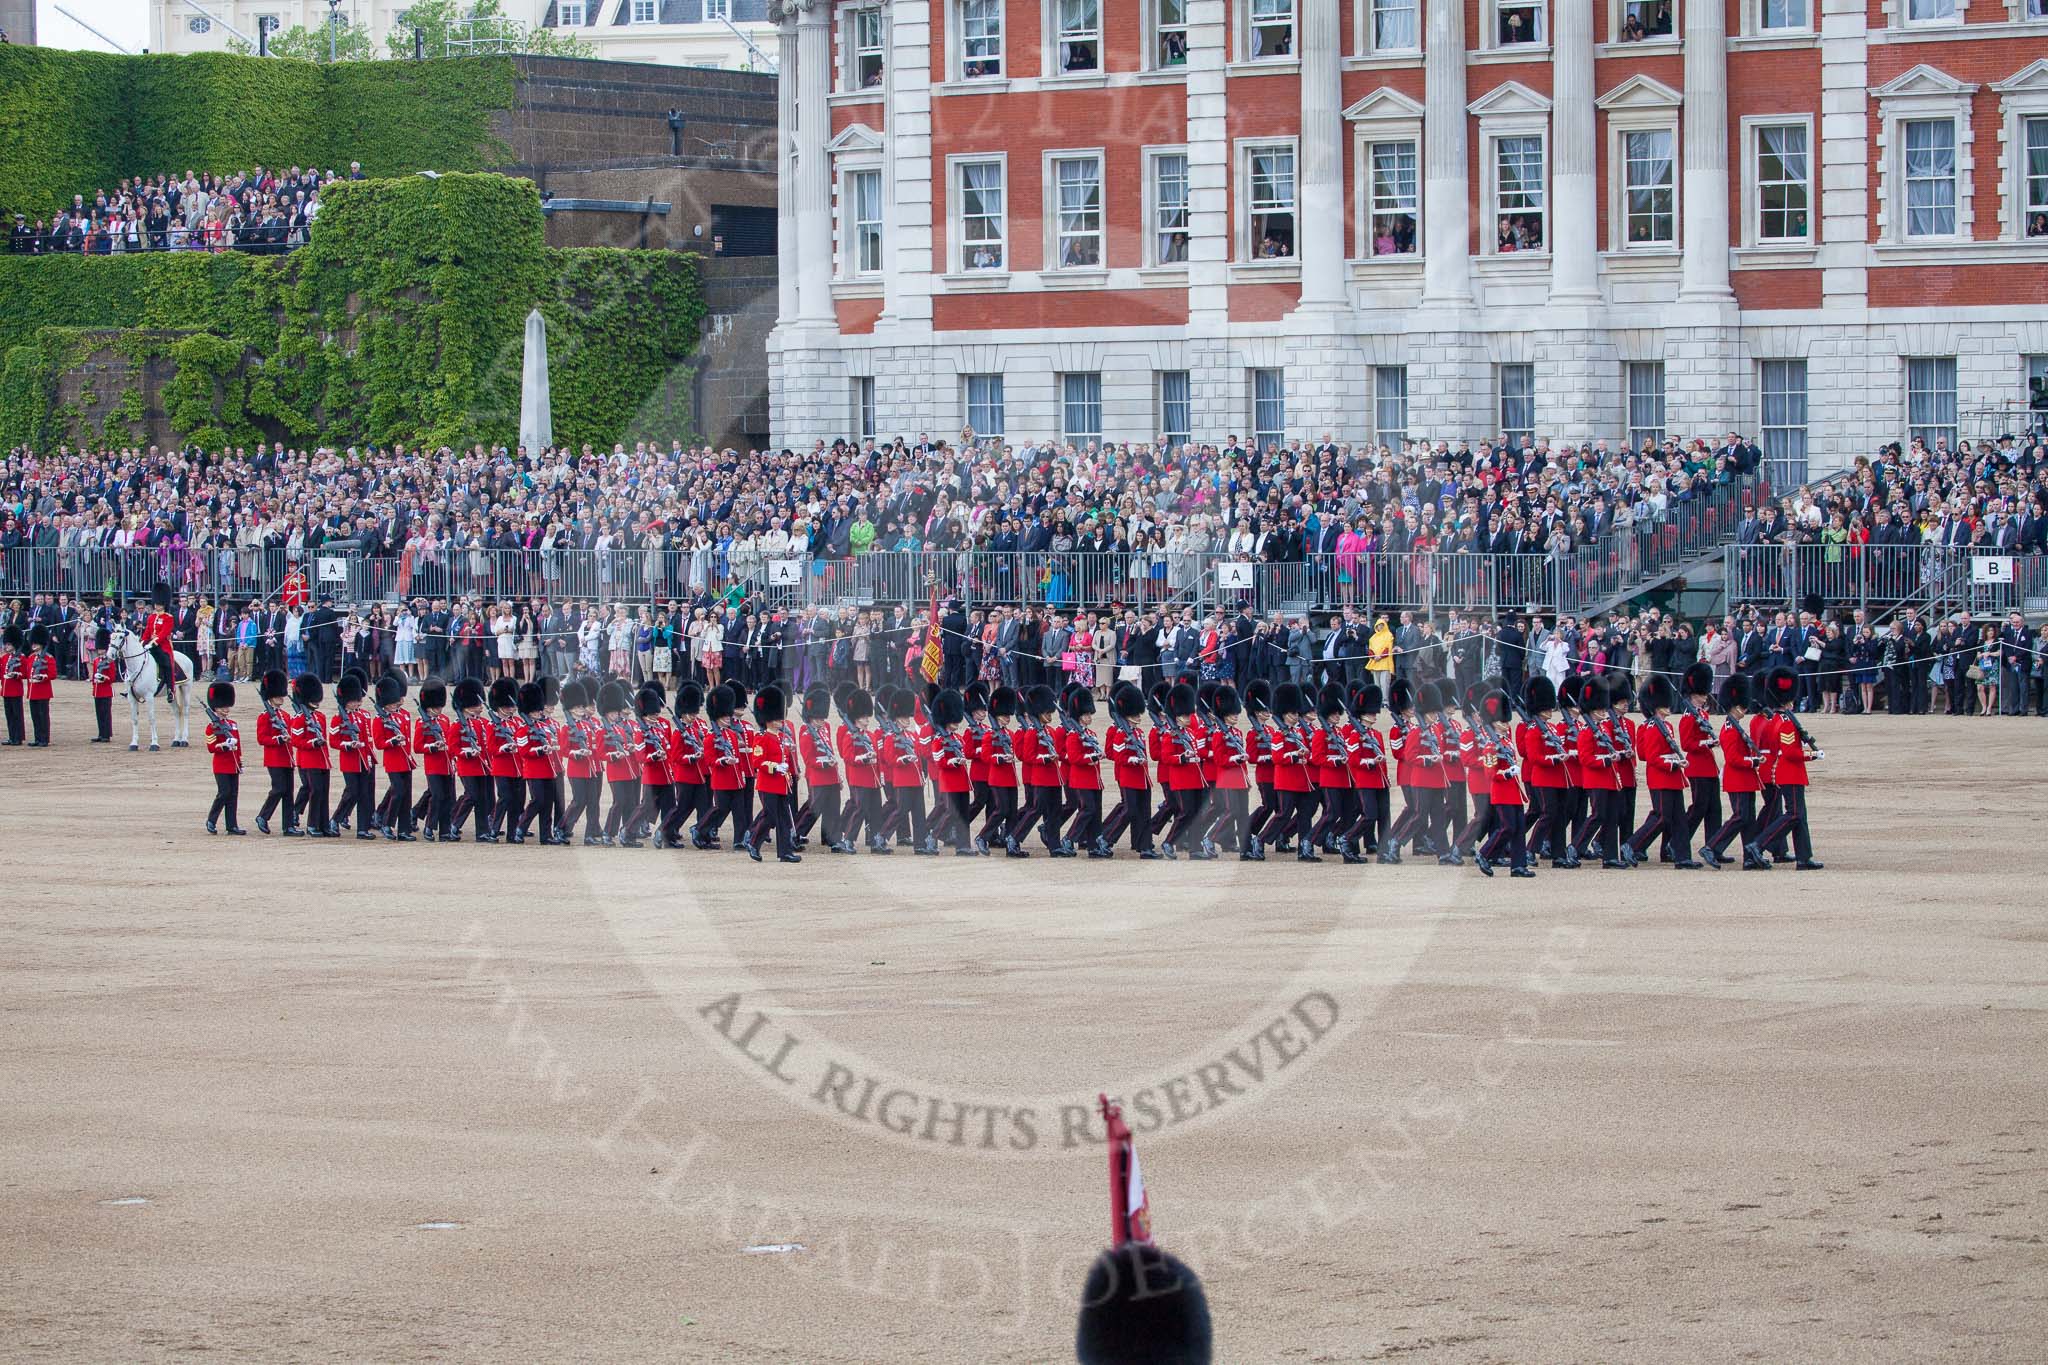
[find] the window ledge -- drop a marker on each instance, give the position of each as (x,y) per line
(1162,75)
(1519,52)
(976,281)
(863,288)
(1774,41)
(1776,255)
(1961,252)
(1385,262)
(1383,61)
(1073,279)
(1163,275)
(1264,66)
(1640,260)
(1512,262)
(1663,47)
(1947,31)
(1077,80)
(871,95)
(1264,272)
(981,85)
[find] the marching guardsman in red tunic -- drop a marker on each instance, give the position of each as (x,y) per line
(821,767)
(1600,761)
(1081,766)
(106,671)
(582,759)
(1499,753)
(14,684)
(1786,749)
(1331,765)
(1180,770)
(307,728)
(1370,765)
(438,741)
(473,761)
(1407,747)
(1742,780)
(741,723)
(860,758)
(1696,737)
(273,737)
(1230,754)
(355,758)
(1038,754)
(40,685)
(952,762)
(997,749)
(690,795)
(505,742)
(904,757)
(728,756)
(1293,773)
(620,750)
(774,767)
(1473,777)
(224,742)
(539,764)
(1574,704)
(785,733)
(392,732)
(1127,748)
(1618,692)
(1663,758)
(657,739)
(1259,740)
(1547,758)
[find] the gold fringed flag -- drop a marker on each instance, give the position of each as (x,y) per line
(1130,1208)
(934,648)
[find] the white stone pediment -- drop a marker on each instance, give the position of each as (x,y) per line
(1510,98)
(1922,80)
(857,137)
(1641,92)
(2033,77)
(1384,104)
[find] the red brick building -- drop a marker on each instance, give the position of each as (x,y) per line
(1825,221)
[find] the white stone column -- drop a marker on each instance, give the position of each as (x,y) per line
(814,164)
(1214,374)
(785,171)
(1320,183)
(1574,157)
(1446,213)
(1704,278)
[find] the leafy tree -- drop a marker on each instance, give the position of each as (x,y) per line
(351,44)
(440,20)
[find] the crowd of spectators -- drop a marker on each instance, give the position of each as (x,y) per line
(259,210)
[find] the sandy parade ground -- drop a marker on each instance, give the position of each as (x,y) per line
(336,1100)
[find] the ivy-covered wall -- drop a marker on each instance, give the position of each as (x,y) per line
(402,319)
(74,122)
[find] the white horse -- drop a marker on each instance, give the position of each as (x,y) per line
(139,679)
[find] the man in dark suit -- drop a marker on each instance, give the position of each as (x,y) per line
(2015,660)
(953,642)
(1510,643)
(320,634)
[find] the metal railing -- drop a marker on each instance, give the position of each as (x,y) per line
(1883,579)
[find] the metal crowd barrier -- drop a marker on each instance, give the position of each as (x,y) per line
(1880,579)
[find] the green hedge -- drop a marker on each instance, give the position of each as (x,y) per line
(402,319)
(74,122)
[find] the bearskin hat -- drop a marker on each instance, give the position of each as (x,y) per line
(1699,679)
(39,636)
(391,690)
(531,701)
(104,639)
(1494,706)
(931,689)
(1403,696)
(718,703)
(739,695)
(613,697)
(274,686)
(1127,700)
(902,703)
(575,693)
(1618,689)
(1540,694)
(1572,692)
(1287,699)
(504,693)
(1330,700)
(469,693)
(1781,685)
(1180,701)
(770,705)
(1367,701)
(857,705)
(1657,694)
(1227,703)
(220,694)
(1040,700)
(1428,697)
(349,690)
(1140,1304)
(1205,696)
(840,694)
(1080,702)
(649,700)
(550,692)
(433,694)
(1258,696)
(362,680)
(976,695)
(1735,692)
(948,707)
(1157,694)
(160,595)
(817,702)
(14,639)
(307,690)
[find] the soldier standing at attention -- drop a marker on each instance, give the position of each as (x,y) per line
(224,742)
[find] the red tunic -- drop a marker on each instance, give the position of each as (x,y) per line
(903,752)
(1744,773)
(1601,769)
(437,742)
(821,760)
(1293,763)
(950,772)
(857,756)
(583,749)
(1503,785)
(13,674)
(224,742)
(105,673)
(1261,743)
(1663,759)
(622,744)
(1081,766)
(273,735)
(730,752)
(505,741)
(42,674)
(472,737)
(352,739)
(686,754)
(1326,757)
(1126,749)
(309,740)
(1038,751)
(998,754)
(1229,758)
(1697,740)
(1367,757)
(1777,739)
(535,764)
(771,762)
(1546,766)
(396,740)
(657,739)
